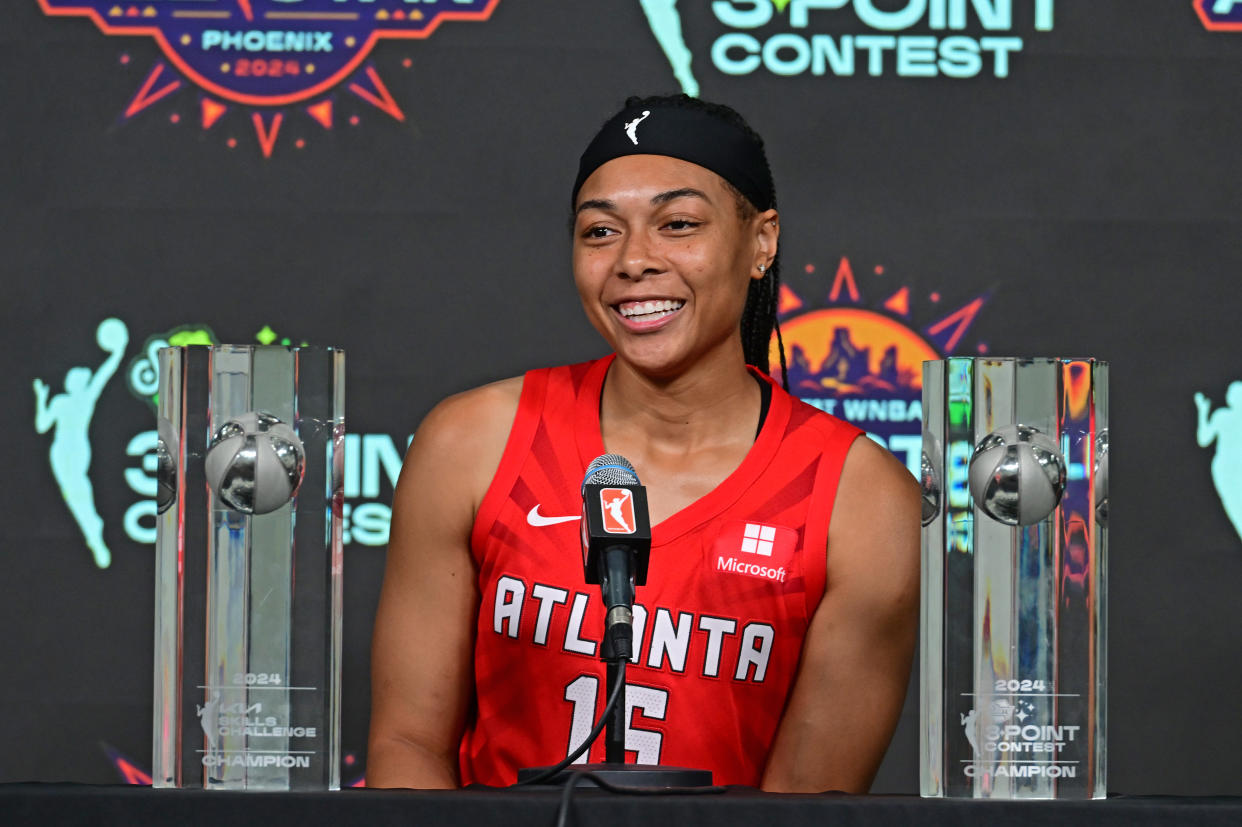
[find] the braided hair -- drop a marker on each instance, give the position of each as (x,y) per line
(759,316)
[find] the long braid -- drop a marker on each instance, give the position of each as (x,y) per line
(759,322)
(759,317)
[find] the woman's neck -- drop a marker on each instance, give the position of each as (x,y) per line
(716,403)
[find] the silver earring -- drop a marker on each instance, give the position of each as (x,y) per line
(762,268)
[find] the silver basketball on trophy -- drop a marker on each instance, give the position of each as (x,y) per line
(1100,483)
(255,463)
(166,449)
(929,477)
(1017,475)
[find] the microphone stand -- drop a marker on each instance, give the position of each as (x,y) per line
(611,558)
(614,732)
(617,578)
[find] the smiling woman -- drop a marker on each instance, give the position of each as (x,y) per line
(659,248)
(774,635)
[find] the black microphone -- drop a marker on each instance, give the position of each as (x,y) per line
(616,544)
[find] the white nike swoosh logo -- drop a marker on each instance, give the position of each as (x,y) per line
(537,519)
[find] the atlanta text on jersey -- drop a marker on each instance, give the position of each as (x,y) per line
(721,645)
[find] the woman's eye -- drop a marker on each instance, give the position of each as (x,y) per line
(681,224)
(596,232)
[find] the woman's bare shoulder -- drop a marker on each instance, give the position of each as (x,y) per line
(464,435)
(486,407)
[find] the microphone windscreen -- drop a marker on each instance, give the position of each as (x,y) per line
(610,469)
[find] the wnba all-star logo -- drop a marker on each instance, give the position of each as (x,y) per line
(1220,15)
(268,56)
(860,358)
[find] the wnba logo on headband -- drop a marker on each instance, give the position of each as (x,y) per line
(631,128)
(689,130)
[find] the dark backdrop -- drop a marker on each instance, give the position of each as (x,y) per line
(1090,198)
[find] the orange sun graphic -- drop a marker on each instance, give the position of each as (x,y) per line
(849,350)
(872,334)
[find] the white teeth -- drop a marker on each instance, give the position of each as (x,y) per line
(654,309)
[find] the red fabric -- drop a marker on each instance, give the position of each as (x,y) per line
(733,581)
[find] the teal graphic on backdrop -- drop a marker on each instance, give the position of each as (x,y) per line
(1224,427)
(372,464)
(855,38)
(665,24)
(143,376)
(70,414)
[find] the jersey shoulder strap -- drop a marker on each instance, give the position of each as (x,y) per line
(545,392)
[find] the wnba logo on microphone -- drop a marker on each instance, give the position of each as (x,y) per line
(617,506)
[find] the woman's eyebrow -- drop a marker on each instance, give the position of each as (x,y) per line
(658,198)
(684,192)
(596,204)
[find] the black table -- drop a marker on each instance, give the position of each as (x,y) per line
(77,804)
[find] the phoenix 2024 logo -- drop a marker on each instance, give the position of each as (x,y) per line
(1220,15)
(270,57)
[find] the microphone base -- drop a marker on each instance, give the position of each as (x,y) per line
(649,776)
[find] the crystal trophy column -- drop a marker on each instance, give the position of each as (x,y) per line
(248,568)
(1014,546)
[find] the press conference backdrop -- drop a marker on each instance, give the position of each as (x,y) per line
(1015,177)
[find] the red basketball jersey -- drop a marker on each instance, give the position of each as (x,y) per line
(718,628)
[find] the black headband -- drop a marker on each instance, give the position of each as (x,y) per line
(693,135)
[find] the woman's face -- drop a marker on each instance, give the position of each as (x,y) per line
(663,259)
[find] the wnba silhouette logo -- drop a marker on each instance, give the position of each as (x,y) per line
(68,416)
(617,505)
(1223,427)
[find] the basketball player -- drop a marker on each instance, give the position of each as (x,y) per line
(773,640)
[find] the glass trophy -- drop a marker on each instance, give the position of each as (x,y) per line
(1014,547)
(248,568)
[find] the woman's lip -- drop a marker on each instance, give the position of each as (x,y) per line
(647,325)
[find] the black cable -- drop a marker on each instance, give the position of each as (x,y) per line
(613,694)
(562,813)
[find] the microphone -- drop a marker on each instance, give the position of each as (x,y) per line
(616,544)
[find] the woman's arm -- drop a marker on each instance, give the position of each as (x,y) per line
(858,651)
(421,651)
